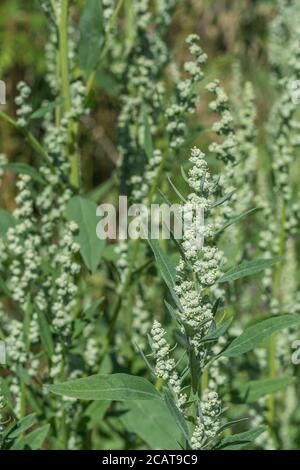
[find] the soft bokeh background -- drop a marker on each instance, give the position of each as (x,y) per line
(231,31)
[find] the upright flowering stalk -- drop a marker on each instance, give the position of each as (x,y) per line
(197,273)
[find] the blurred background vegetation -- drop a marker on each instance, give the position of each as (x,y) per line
(232,31)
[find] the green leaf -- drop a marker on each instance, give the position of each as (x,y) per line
(37,437)
(255,334)
(247,268)
(44,110)
(107,387)
(236,219)
(172,312)
(165,267)
(95,413)
(220,330)
(33,440)
(7,220)
(223,199)
(148,142)
(25,169)
(107,82)
(83,212)
(91,36)
(45,334)
(256,389)
(238,441)
(195,365)
(22,426)
(153,422)
(176,413)
(87,317)
(98,193)
(4,289)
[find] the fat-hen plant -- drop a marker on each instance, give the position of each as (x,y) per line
(184,344)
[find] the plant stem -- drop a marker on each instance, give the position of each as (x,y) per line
(66,93)
(277,294)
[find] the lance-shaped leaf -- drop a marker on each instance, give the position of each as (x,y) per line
(176,413)
(34,440)
(255,334)
(107,387)
(236,219)
(248,268)
(256,389)
(24,169)
(166,269)
(241,440)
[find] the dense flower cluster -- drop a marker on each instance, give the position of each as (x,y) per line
(165,367)
(23,108)
(202,260)
(208,422)
(186,96)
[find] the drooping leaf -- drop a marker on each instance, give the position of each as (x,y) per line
(248,268)
(91,36)
(241,440)
(256,389)
(176,413)
(255,334)
(107,387)
(7,220)
(153,422)
(25,169)
(83,212)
